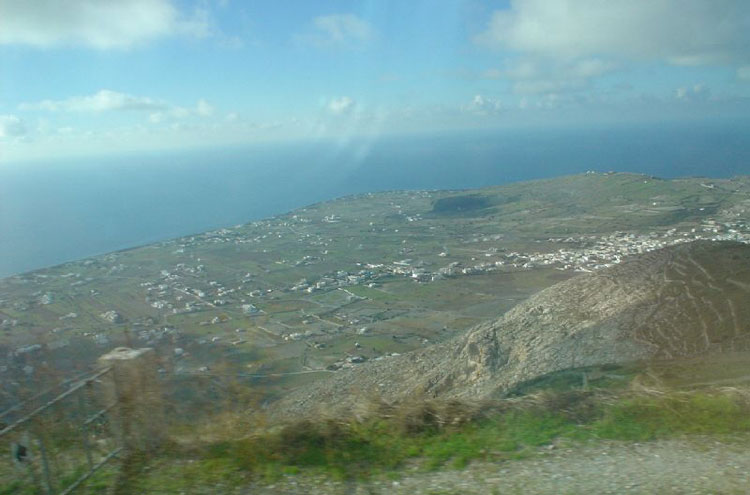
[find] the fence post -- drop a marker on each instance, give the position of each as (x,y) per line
(133,384)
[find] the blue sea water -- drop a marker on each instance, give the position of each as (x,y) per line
(59,211)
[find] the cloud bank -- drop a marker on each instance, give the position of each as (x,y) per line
(483,105)
(342,105)
(106,100)
(100,24)
(338,31)
(679,32)
(11,126)
(101,101)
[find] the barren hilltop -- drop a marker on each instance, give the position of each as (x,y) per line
(680,301)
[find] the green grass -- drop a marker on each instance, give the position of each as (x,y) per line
(434,435)
(99,483)
(505,436)
(182,477)
(428,435)
(644,418)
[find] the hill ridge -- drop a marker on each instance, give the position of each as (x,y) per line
(680,301)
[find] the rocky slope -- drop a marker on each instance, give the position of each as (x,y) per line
(681,301)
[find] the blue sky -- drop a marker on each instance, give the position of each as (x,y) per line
(88,77)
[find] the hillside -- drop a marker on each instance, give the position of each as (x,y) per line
(680,301)
(531,289)
(289,300)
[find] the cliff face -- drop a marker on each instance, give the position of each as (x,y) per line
(681,301)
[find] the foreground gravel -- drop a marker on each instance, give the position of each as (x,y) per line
(696,465)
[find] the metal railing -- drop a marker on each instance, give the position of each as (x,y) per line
(55,443)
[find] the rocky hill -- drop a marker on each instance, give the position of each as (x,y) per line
(685,300)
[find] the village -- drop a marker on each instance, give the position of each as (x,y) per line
(335,284)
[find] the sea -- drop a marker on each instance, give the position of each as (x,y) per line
(61,210)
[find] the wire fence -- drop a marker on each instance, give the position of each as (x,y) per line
(58,441)
(54,442)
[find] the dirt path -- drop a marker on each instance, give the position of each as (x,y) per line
(697,465)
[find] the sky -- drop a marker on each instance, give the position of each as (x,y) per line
(85,78)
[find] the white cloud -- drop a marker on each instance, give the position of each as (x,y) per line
(537,75)
(66,141)
(11,126)
(106,100)
(157,117)
(100,24)
(204,108)
(698,92)
(534,69)
(342,105)
(591,67)
(178,112)
(339,30)
(102,101)
(493,74)
(525,69)
(549,86)
(681,32)
(542,101)
(483,105)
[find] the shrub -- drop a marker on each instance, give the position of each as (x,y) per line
(440,432)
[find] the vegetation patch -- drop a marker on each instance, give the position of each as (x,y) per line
(461,205)
(435,434)
(388,439)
